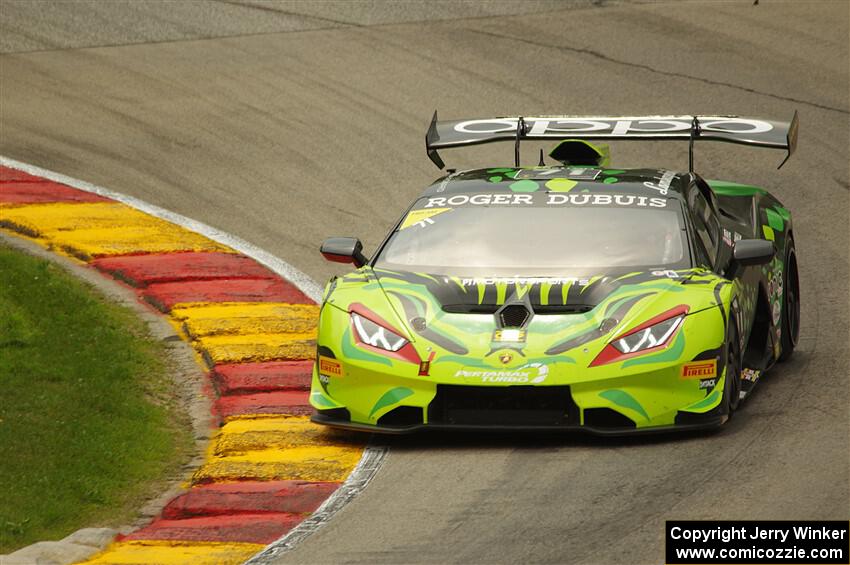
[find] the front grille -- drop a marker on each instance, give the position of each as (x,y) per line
(514,316)
(503,406)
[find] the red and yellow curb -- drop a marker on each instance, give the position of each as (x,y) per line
(267,468)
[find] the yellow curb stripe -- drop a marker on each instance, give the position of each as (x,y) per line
(312,466)
(242,434)
(98,229)
(88,244)
(165,552)
(244,318)
(276,448)
(253,447)
(42,219)
(256,347)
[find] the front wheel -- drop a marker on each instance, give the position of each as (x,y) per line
(791,304)
(732,386)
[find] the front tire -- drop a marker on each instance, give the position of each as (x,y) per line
(732,386)
(791,303)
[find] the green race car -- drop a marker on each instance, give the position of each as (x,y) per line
(568,297)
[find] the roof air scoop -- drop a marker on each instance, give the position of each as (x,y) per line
(576,152)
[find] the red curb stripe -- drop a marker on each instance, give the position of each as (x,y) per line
(254,497)
(250,511)
(142,270)
(165,295)
(285,402)
(14,175)
(250,528)
(17,192)
(271,376)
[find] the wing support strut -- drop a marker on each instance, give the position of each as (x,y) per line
(695,131)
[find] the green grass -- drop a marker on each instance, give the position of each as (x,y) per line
(89,424)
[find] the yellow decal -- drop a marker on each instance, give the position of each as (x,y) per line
(421,217)
(560,185)
(700,369)
(509,335)
(330,367)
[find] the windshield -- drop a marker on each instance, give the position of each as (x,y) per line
(540,234)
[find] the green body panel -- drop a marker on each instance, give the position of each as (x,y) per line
(772,222)
(647,388)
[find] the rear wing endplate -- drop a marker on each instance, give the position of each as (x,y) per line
(731,129)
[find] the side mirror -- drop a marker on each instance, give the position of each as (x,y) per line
(749,252)
(344,250)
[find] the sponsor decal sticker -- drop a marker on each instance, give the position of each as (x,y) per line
(425,366)
(707,383)
(559,199)
(525,281)
(578,173)
(750,375)
(539,172)
(421,218)
(614,126)
(509,336)
(583,174)
(330,367)
(544,199)
(532,373)
(662,184)
(700,369)
(666,273)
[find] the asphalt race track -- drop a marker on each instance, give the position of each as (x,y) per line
(288,122)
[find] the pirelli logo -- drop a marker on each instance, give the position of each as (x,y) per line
(700,369)
(330,367)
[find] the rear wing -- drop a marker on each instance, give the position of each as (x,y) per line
(731,129)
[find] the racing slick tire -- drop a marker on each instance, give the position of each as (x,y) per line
(732,387)
(791,307)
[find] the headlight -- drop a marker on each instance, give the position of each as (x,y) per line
(372,334)
(653,336)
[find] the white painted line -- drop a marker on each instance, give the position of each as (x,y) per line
(373,455)
(369,464)
(304,283)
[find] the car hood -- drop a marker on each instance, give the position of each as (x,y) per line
(452,317)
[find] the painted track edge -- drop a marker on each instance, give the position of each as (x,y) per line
(301,281)
(373,455)
(355,483)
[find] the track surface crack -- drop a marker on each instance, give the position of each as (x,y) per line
(609,59)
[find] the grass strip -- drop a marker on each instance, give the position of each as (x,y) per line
(90,424)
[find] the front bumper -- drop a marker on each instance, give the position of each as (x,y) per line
(709,422)
(368,391)
(514,408)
